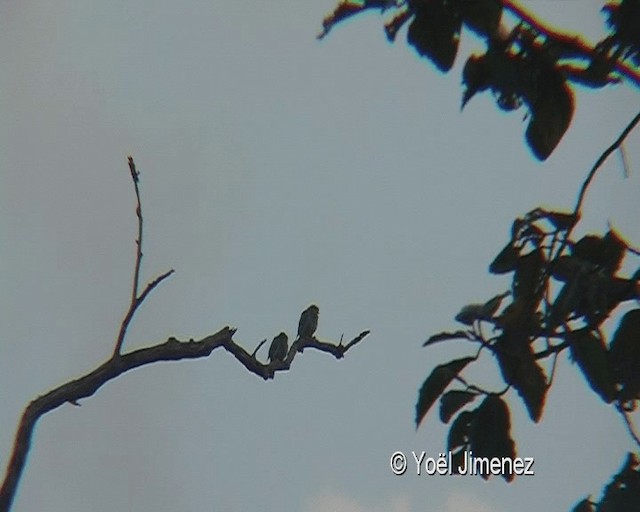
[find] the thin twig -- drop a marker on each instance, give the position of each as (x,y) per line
(585,186)
(135,177)
(600,161)
(553,369)
(253,354)
(625,161)
(150,286)
(136,301)
(478,389)
(553,349)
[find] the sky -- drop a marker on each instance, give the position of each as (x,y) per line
(276,171)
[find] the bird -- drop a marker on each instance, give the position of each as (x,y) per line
(279,348)
(308,322)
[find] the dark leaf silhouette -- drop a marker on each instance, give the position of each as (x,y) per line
(566,268)
(623,492)
(551,112)
(475,76)
(490,432)
(562,220)
(452,401)
(590,352)
(528,273)
(436,383)
(613,252)
(506,261)
(346,9)
(459,431)
(474,312)
(519,368)
(457,460)
(604,253)
(481,16)
(625,356)
(583,506)
(435,32)
(443,336)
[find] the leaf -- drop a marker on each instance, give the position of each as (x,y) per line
(459,431)
(519,368)
(443,336)
(475,76)
(481,16)
(590,352)
(472,312)
(490,432)
(566,302)
(622,494)
(346,9)
(528,273)
(436,383)
(583,506)
(601,293)
(490,307)
(551,113)
(566,268)
(435,32)
(613,251)
(606,252)
(505,261)
(457,460)
(452,401)
(520,316)
(392,26)
(589,248)
(469,314)
(562,220)
(625,355)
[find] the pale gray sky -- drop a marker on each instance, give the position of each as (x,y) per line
(277,171)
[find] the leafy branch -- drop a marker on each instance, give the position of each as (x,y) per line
(530,64)
(562,292)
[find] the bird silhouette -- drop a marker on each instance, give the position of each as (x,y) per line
(279,348)
(308,322)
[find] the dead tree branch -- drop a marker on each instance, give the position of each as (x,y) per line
(118,364)
(136,300)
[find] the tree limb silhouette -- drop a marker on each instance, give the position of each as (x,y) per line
(118,364)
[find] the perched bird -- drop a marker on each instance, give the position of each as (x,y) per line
(279,348)
(308,322)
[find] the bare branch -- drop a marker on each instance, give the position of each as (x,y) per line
(355,340)
(136,301)
(268,371)
(603,157)
(135,177)
(170,350)
(149,288)
(133,307)
(253,354)
(585,186)
(86,386)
